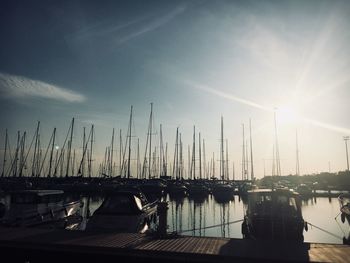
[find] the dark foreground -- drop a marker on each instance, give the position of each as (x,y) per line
(49,245)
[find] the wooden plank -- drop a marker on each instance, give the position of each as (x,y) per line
(180,245)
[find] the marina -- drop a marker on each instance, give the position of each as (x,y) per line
(174,131)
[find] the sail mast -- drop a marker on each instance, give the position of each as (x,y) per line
(120,152)
(35,149)
(21,156)
(150,141)
(138,159)
(4,160)
(90,155)
(69,147)
(278,165)
(251,151)
(200,156)
(129,149)
(243,155)
(193,168)
(205,162)
(111,159)
(227,174)
(222,171)
(297,172)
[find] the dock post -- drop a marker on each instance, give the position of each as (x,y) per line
(162,213)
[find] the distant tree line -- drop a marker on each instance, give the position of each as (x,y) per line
(320,181)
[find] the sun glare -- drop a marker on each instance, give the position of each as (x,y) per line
(287,114)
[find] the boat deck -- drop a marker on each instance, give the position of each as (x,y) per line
(43,245)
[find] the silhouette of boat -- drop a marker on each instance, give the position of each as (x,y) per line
(125,210)
(273,214)
(223,192)
(344,202)
(38,207)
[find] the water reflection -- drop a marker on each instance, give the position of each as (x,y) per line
(190,217)
(205,216)
(193,217)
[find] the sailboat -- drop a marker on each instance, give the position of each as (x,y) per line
(273,214)
(222,190)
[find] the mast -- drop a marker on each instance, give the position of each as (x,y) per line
(51,152)
(193,167)
(297,170)
(204,161)
(273,161)
(243,155)
(15,161)
(129,151)
(69,147)
(21,156)
(35,149)
(73,162)
(162,162)
(120,151)
(227,174)
(251,151)
(166,160)
(278,165)
(138,159)
(150,141)
(175,165)
(189,162)
(56,163)
(111,159)
(213,165)
(246,160)
(4,161)
(233,171)
(222,171)
(90,155)
(181,160)
(84,150)
(200,156)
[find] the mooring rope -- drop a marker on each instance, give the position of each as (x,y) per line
(339,224)
(213,226)
(324,230)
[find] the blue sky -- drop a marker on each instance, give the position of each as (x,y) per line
(195,60)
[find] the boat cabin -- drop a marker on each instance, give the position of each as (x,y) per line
(278,202)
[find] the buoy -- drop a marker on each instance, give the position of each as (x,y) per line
(306,226)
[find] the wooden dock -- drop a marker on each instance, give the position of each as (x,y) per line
(49,245)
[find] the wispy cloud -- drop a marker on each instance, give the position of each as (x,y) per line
(119,32)
(15,87)
(103,28)
(227,95)
(154,24)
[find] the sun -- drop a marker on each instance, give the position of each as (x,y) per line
(287,114)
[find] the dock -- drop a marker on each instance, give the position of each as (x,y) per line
(52,245)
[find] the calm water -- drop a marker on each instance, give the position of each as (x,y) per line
(191,217)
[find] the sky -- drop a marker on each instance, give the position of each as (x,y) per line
(195,61)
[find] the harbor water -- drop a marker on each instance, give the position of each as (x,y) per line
(207,217)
